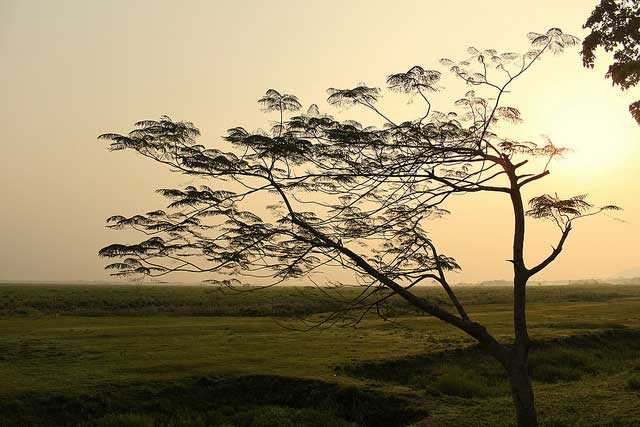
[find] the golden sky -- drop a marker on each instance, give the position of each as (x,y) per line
(74,69)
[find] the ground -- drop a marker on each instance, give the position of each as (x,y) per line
(133,355)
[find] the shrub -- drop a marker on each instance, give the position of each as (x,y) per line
(633,383)
(462,383)
(553,364)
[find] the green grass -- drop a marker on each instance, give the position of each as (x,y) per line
(119,354)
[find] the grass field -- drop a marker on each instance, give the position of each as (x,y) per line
(169,356)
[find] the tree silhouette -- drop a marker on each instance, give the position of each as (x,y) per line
(320,193)
(615,26)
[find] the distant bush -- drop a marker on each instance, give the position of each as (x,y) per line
(460,382)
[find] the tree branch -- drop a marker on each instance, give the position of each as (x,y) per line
(554,254)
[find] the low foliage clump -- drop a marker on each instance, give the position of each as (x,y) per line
(552,361)
(230,401)
(263,416)
(554,364)
(464,383)
(633,383)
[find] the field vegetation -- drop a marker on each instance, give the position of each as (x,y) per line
(200,356)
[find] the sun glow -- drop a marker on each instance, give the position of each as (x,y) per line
(599,139)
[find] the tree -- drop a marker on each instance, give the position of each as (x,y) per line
(340,194)
(615,26)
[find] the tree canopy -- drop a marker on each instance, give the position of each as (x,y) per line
(316,192)
(615,26)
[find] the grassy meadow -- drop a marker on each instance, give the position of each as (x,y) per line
(132,355)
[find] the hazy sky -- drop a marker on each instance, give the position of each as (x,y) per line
(74,69)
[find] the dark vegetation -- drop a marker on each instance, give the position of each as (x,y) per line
(614,25)
(552,361)
(246,401)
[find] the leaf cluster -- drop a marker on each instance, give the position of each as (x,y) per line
(615,27)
